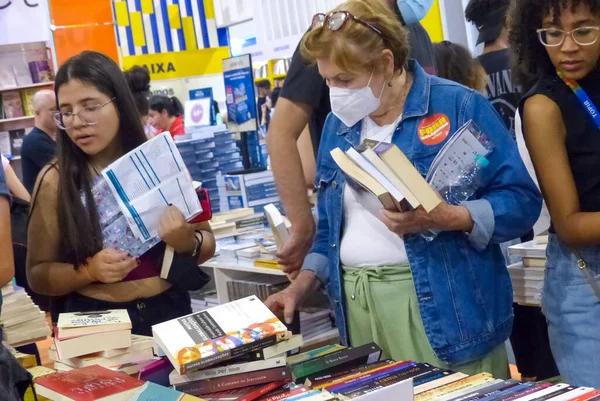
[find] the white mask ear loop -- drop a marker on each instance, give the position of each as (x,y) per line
(382,87)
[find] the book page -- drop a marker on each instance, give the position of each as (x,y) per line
(149,178)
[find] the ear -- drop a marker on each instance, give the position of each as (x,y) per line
(387,62)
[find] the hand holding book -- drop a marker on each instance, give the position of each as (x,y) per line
(444,217)
(176,232)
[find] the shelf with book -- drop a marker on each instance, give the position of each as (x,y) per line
(37,85)
(16,119)
(223,273)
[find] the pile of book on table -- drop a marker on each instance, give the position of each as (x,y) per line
(22,320)
(237,221)
(204,299)
(101,338)
(527,276)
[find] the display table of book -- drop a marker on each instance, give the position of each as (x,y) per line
(241,351)
(527,276)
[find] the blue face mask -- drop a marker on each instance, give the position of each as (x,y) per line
(414,10)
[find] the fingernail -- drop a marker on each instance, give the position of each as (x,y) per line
(288,321)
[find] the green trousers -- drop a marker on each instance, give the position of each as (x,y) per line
(382,307)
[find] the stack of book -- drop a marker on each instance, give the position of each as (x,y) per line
(262,286)
(231,346)
(528,276)
(22,320)
(104,338)
(315,323)
(255,190)
(223,223)
(208,158)
(202,299)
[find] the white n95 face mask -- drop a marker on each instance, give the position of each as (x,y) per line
(352,105)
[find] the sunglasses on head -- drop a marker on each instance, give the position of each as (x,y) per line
(336,21)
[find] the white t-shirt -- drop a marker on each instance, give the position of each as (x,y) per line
(366,241)
(543,222)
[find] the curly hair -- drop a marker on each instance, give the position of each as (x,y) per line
(477,10)
(530,57)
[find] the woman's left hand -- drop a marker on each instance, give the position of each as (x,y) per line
(175,231)
(445,217)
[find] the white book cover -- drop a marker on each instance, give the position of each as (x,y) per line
(83,345)
(97,359)
(147,180)
(400,391)
(530,249)
(7,289)
(84,323)
(217,334)
(227,370)
(573,394)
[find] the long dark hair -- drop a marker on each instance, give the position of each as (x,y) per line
(531,59)
(454,62)
(138,80)
(171,104)
(80,233)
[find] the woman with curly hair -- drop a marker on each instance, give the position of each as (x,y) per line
(557,45)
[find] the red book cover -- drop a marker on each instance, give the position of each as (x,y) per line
(88,384)
(261,391)
(284,395)
(217,384)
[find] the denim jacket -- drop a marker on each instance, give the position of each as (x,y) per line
(462,284)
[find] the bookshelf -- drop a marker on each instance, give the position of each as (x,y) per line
(224,273)
(38,85)
(16,119)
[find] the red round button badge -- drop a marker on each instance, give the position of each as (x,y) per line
(434,129)
(197,113)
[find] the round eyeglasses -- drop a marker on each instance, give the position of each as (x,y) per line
(88,115)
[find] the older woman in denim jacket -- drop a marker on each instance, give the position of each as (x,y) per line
(449,301)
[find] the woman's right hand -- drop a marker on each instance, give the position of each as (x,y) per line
(110,266)
(286,302)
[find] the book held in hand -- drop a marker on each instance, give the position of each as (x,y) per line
(218,334)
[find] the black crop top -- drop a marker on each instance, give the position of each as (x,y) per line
(583,136)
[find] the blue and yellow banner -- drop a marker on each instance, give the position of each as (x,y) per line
(161,26)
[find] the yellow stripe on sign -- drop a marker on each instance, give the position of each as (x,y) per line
(209,9)
(147,7)
(433,23)
(174,17)
(189,33)
(180,64)
(122,13)
(137,29)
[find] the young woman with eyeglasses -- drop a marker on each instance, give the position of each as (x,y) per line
(557,46)
(98,123)
(447,302)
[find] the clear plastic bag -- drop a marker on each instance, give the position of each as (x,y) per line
(456,171)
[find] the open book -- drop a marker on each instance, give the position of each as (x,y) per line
(147,180)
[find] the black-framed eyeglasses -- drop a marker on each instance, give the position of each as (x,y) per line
(583,36)
(336,21)
(88,115)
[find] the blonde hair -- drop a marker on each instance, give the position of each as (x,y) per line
(356,48)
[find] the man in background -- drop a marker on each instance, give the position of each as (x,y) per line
(489,16)
(39,147)
(304,99)
(264,91)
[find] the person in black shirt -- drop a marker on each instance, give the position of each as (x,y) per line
(489,16)
(264,91)
(304,99)
(39,147)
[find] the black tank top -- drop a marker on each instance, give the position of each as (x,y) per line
(583,136)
